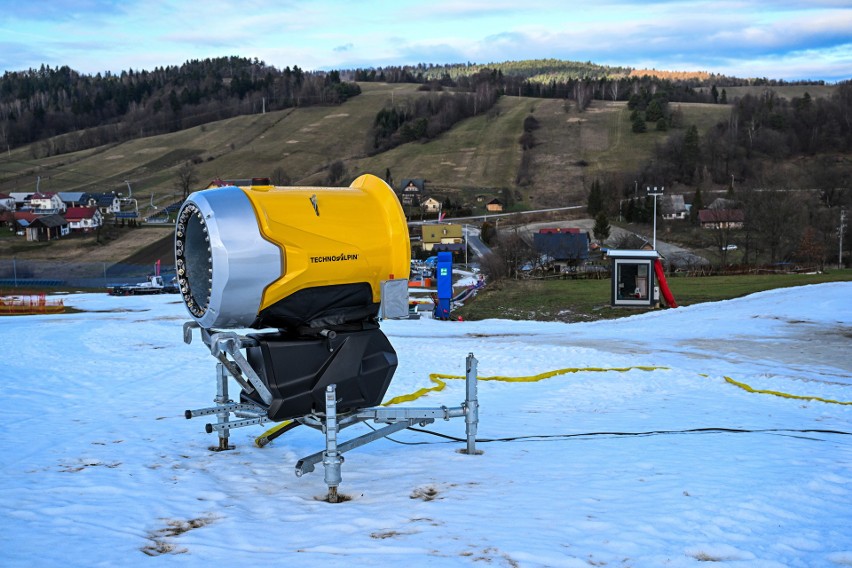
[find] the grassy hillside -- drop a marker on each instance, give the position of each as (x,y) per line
(480,155)
(480,152)
(589,300)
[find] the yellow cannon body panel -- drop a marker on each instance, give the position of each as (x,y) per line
(287,257)
(333,236)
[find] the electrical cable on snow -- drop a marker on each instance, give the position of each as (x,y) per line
(439,380)
(546,437)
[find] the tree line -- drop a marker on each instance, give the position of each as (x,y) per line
(424,118)
(578,81)
(761,132)
(43,104)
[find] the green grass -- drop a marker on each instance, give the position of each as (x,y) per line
(589,300)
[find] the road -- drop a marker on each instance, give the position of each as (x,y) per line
(674,254)
(474,243)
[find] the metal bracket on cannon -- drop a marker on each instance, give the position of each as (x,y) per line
(223,345)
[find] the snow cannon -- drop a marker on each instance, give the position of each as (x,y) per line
(313,262)
(316,269)
(289,257)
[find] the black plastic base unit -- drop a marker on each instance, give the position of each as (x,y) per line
(298,370)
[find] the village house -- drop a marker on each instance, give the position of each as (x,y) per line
(721,218)
(106,202)
(442,237)
(562,248)
(41,227)
(411,192)
(72,198)
(431,205)
(494,206)
(47,203)
(673,207)
(84,219)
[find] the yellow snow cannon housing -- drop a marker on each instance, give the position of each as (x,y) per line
(289,257)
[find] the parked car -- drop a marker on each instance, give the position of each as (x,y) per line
(729,247)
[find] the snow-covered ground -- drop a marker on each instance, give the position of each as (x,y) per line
(100,468)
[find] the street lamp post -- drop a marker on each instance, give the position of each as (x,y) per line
(655,192)
(464,231)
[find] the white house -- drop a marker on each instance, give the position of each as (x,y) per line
(106,202)
(431,205)
(84,218)
(673,207)
(46,203)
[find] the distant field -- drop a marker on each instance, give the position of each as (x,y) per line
(588,300)
(480,152)
(635,148)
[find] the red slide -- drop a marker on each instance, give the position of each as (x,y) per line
(664,286)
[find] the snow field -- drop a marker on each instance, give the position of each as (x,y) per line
(101,468)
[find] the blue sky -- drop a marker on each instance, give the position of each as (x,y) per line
(792,39)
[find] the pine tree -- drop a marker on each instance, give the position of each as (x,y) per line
(602,228)
(697,205)
(595,202)
(691,153)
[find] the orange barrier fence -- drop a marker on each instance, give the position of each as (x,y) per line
(28,304)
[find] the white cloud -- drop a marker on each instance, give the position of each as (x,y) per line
(716,36)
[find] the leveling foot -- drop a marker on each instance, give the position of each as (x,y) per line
(223,446)
(333,497)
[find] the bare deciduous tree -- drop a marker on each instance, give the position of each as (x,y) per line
(187,177)
(613,89)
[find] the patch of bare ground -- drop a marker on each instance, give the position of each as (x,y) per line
(161,539)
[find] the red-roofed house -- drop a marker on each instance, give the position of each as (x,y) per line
(721,218)
(26,216)
(46,203)
(84,218)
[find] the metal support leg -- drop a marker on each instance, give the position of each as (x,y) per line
(471,405)
(222,418)
(331,457)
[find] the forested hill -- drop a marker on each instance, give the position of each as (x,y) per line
(42,105)
(535,71)
(39,104)
(529,69)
